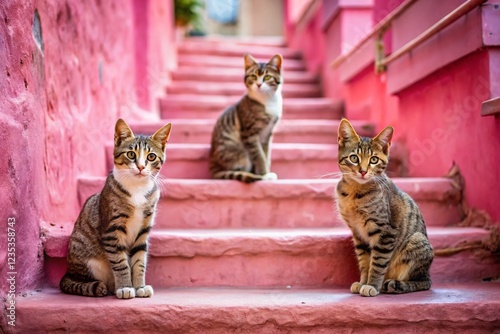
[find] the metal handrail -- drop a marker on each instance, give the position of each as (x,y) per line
(433,30)
(381,61)
(378,29)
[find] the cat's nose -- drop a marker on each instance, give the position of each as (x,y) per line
(259,84)
(362,172)
(140,167)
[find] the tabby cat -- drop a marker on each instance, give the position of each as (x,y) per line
(242,136)
(109,242)
(389,234)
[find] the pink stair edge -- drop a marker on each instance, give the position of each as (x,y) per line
(238,89)
(271,257)
(454,308)
(199,131)
(283,203)
(303,161)
(210,107)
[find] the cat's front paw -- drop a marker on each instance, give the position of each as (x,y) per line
(270,177)
(355,287)
(125,293)
(144,292)
(368,291)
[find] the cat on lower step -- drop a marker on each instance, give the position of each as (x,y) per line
(242,136)
(389,233)
(109,243)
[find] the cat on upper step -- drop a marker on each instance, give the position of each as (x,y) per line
(242,136)
(109,243)
(389,233)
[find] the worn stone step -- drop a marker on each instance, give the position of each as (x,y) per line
(453,308)
(206,106)
(224,49)
(287,131)
(204,61)
(234,75)
(289,160)
(269,41)
(290,90)
(206,204)
(272,257)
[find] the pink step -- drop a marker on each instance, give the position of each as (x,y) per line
(290,90)
(188,60)
(206,204)
(271,257)
(269,41)
(206,106)
(288,130)
(233,75)
(289,160)
(454,308)
(223,49)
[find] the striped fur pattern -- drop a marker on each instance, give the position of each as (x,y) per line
(388,230)
(109,243)
(242,136)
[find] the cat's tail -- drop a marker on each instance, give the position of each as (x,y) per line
(396,286)
(74,286)
(246,177)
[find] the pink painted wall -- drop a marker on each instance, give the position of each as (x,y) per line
(440,118)
(326,31)
(155,52)
(22,175)
(59,107)
(308,37)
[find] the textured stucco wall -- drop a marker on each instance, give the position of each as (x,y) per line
(440,118)
(57,109)
(155,52)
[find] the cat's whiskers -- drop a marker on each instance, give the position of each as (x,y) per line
(332,175)
(381,182)
(161,182)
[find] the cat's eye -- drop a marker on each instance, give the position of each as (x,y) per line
(151,157)
(267,77)
(374,160)
(131,155)
(354,158)
(253,77)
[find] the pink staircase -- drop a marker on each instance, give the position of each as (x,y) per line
(269,257)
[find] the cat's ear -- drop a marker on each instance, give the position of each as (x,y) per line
(385,138)
(276,61)
(346,132)
(122,132)
(162,135)
(249,61)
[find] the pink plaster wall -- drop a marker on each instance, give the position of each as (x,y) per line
(332,28)
(308,37)
(155,52)
(58,108)
(22,175)
(367,99)
(440,118)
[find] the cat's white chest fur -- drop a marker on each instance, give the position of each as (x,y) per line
(138,191)
(273,104)
(272,101)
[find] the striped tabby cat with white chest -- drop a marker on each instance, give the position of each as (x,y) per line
(108,245)
(242,136)
(388,230)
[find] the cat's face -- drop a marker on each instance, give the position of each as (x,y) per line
(139,158)
(263,78)
(363,159)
